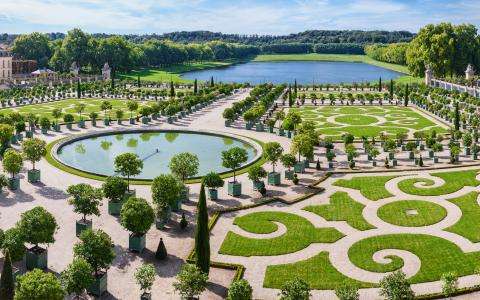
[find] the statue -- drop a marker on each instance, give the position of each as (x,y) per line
(428,75)
(74,69)
(469,72)
(106,71)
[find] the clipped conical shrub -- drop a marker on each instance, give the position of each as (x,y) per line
(161,253)
(7,285)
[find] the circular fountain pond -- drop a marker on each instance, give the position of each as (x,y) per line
(95,153)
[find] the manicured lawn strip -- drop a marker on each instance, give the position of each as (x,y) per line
(317,271)
(454,181)
(300,233)
(438,256)
(397,213)
(173,73)
(468,226)
(67,106)
(342,208)
(371,187)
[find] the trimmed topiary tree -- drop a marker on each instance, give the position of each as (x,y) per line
(288,161)
(166,195)
(202,234)
(37,284)
(184,165)
(137,216)
(233,159)
(161,252)
(12,163)
(34,149)
(273,152)
(191,282)
(347,292)
(14,243)
(77,277)
(396,286)
(95,247)
(295,289)
(6,134)
(7,284)
(38,226)
(213,181)
(240,290)
(114,189)
(145,276)
(85,200)
(255,174)
(128,164)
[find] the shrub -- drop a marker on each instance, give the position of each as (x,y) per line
(12,162)
(34,149)
(449,283)
(233,158)
(165,189)
(240,290)
(77,277)
(128,164)
(68,118)
(347,292)
(7,284)
(295,289)
(114,188)
(190,282)
(145,276)
(213,180)
(255,173)
(95,247)
(38,285)
(14,243)
(38,226)
(184,165)
(85,199)
(137,215)
(396,286)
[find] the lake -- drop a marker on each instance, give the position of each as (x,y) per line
(305,72)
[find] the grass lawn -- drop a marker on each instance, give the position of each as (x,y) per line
(68,106)
(437,256)
(342,208)
(371,187)
(300,233)
(172,73)
(344,58)
(468,225)
(317,271)
(412,213)
(454,181)
(366,120)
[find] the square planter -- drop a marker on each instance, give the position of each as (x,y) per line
(330,164)
(132,121)
(281,132)
(20,136)
(29,134)
(234,189)
(395,162)
(213,194)
(274,178)
(33,176)
(106,122)
(289,134)
(467,151)
(57,127)
(228,123)
(44,130)
(136,242)
(162,219)
(306,163)
(289,174)
(94,123)
(474,156)
(422,147)
(144,120)
(411,155)
(119,121)
(430,154)
(184,194)
(14,139)
(435,159)
(99,285)
(169,120)
(129,194)
(82,225)
(248,126)
(270,129)
(114,207)
(14,183)
(81,124)
(36,258)
(258,185)
(374,163)
(69,126)
(299,167)
(369,158)
(177,205)
(391,155)
(259,127)
(146,296)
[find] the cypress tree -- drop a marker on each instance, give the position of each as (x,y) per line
(78,89)
(391,89)
(138,80)
(195,87)
(380,84)
(161,253)
(212,83)
(290,98)
(457,117)
(172,90)
(7,286)
(295,89)
(406,94)
(202,237)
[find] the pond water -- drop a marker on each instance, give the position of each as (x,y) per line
(305,72)
(97,154)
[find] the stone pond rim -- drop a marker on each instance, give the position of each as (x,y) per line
(55,146)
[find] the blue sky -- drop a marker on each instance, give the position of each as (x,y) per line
(232,16)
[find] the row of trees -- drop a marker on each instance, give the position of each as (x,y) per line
(392,53)
(336,48)
(91,53)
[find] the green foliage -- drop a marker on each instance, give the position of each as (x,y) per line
(371,187)
(77,277)
(6,133)
(395,286)
(95,247)
(114,188)
(202,234)
(397,213)
(288,160)
(7,284)
(233,158)
(85,199)
(449,283)
(34,149)
(165,189)
(161,252)
(38,285)
(240,290)
(12,162)
(255,173)
(392,53)
(14,243)
(272,151)
(137,215)
(295,289)
(213,180)
(191,282)
(38,226)
(184,165)
(68,118)
(347,292)
(145,276)
(467,226)
(128,164)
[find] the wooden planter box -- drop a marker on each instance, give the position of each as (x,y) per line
(99,285)
(14,183)
(36,258)
(213,194)
(274,178)
(258,185)
(289,174)
(234,189)
(136,242)
(33,176)
(82,225)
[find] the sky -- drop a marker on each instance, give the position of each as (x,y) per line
(276,17)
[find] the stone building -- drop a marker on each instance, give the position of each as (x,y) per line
(6,59)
